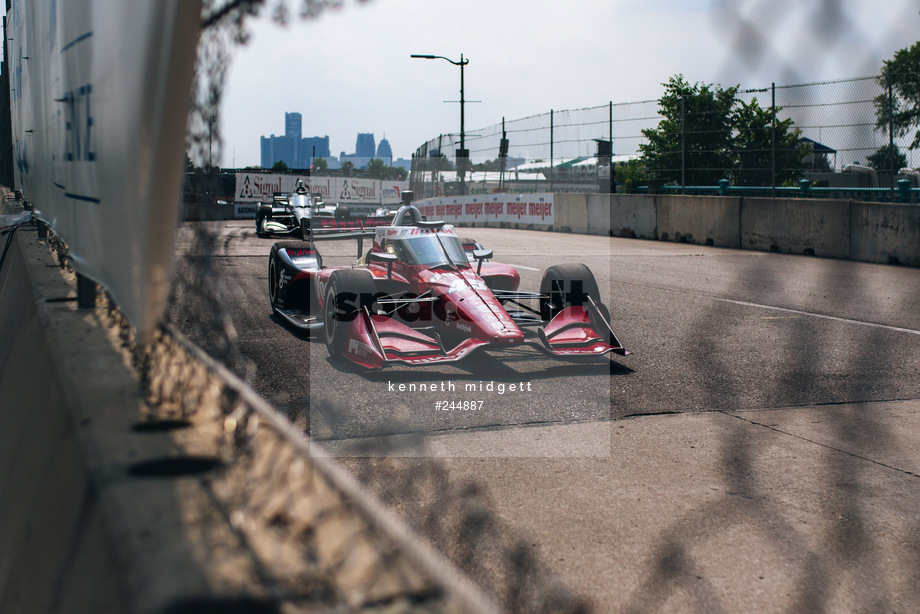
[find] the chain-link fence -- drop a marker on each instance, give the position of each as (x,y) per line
(829,134)
(557,151)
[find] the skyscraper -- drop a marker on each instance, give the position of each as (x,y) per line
(364,146)
(278,149)
(384,152)
(317,146)
(292,149)
(293,126)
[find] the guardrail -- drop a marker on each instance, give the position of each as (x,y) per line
(903,193)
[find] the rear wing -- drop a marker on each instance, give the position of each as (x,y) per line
(341,234)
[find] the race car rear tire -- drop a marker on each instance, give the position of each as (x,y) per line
(342,213)
(567,285)
(305,229)
(347,292)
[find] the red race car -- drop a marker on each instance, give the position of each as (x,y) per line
(415,298)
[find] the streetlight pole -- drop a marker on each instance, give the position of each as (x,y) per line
(463,154)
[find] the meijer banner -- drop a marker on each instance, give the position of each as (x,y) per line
(100,94)
(510,208)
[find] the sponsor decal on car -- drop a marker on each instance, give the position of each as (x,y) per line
(458,285)
(299,252)
(405,232)
(359,348)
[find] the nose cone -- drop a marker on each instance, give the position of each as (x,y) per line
(508,336)
(490,319)
(470,307)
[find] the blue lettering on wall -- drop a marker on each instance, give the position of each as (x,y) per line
(52,23)
(79,132)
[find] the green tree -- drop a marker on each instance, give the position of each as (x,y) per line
(347,167)
(320,164)
(881,160)
(396,172)
(488,165)
(280,165)
(376,168)
(630,175)
(695,133)
(902,112)
(753,146)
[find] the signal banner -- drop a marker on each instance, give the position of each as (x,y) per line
(259,187)
(508,208)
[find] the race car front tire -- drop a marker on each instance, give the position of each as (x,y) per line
(566,285)
(264,213)
(347,292)
(274,282)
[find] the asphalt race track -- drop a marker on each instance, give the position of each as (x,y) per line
(710,330)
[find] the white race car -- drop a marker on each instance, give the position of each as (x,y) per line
(300,212)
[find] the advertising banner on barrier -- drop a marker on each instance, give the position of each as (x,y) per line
(510,208)
(259,187)
(100,92)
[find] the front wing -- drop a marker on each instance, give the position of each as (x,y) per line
(376,341)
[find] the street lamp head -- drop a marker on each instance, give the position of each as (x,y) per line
(463,62)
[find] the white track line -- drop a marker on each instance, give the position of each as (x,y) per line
(826,317)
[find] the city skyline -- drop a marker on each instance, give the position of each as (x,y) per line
(297,151)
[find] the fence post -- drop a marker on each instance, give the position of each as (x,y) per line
(552,171)
(904,190)
(891,138)
(773,141)
(683,143)
(612,176)
(610,124)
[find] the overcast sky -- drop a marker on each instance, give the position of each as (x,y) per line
(349,71)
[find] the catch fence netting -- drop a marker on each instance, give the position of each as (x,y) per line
(455,515)
(772,136)
(840,116)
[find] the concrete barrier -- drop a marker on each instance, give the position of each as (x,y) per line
(58,551)
(885,233)
(598,212)
(709,220)
(571,213)
(796,226)
(633,215)
(187,494)
(862,231)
